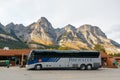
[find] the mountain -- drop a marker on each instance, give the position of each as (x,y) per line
(94,35)
(16,30)
(41,33)
(8,38)
(2,29)
(70,38)
(86,37)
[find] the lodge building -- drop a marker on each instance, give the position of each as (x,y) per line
(16,56)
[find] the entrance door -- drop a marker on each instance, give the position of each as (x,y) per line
(17,61)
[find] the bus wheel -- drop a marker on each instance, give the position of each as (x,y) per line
(89,67)
(83,67)
(38,67)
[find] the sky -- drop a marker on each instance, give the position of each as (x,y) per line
(102,13)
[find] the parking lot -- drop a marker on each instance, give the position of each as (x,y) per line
(16,73)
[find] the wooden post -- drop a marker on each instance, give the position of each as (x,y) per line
(22,59)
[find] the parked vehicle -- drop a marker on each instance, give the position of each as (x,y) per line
(5,63)
(39,59)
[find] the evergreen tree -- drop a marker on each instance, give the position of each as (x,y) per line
(63,48)
(99,48)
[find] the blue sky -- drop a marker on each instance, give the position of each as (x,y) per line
(102,13)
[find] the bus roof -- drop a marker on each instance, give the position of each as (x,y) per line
(64,50)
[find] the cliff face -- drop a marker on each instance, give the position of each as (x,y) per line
(71,38)
(42,33)
(86,36)
(8,37)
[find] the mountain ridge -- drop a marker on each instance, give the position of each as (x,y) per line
(42,32)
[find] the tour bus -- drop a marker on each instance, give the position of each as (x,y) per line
(84,60)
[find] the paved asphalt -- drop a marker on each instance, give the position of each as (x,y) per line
(16,73)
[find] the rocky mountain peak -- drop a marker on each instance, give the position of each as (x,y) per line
(0,23)
(42,32)
(44,23)
(85,27)
(70,27)
(19,26)
(42,19)
(10,25)
(1,26)
(92,29)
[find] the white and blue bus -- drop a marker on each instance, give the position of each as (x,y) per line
(84,60)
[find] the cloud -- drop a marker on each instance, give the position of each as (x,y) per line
(114,32)
(102,13)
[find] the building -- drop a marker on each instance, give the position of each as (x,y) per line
(107,61)
(16,56)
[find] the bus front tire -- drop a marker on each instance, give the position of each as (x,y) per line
(38,67)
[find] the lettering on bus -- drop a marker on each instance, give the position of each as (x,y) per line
(80,60)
